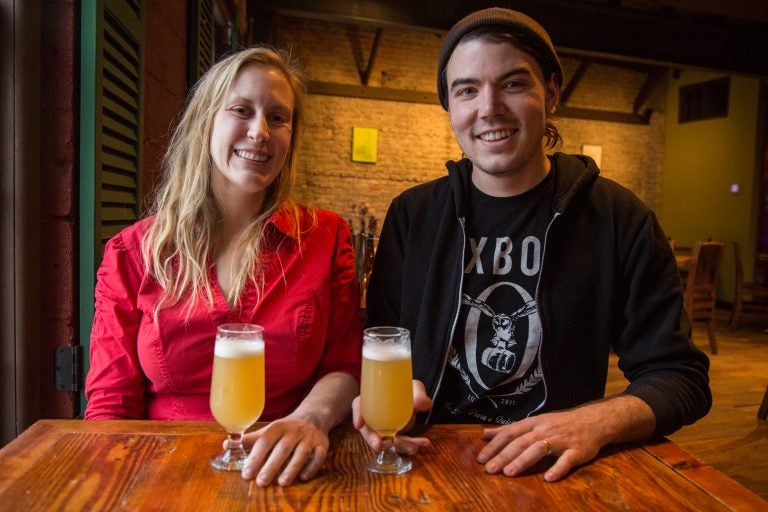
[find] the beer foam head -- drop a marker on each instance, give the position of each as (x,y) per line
(238,348)
(383,352)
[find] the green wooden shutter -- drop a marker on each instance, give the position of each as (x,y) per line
(202,39)
(112,45)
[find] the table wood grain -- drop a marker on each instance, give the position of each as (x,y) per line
(163,466)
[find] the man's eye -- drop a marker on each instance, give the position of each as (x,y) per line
(466,91)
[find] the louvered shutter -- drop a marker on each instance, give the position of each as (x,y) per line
(202,43)
(112,66)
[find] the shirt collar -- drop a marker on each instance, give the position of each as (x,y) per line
(284,222)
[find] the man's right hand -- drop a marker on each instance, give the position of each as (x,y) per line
(403,444)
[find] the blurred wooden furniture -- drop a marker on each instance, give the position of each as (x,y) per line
(149,465)
(701,286)
(762,412)
(743,290)
(683,262)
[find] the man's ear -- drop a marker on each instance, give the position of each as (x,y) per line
(553,94)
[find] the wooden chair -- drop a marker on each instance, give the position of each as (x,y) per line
(755,292)
(701,286)
(762,413)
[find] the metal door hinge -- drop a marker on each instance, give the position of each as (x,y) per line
(69,368)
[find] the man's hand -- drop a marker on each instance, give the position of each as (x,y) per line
(283,450)
(574,436)
(403,444)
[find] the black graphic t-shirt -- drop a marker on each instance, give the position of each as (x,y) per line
(493,375)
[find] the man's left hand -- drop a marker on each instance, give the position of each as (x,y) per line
(575,436)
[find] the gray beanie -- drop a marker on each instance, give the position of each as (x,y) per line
(533,32)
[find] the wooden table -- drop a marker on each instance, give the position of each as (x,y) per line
(163,466)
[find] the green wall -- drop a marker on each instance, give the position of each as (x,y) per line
(702,160)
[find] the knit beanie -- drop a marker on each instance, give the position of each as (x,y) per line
(529,28)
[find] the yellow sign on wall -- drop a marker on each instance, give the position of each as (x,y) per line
(364,144)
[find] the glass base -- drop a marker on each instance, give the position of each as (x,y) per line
(233,458)
(389,463)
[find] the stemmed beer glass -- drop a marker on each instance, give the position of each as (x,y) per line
(386,393)
(237,387)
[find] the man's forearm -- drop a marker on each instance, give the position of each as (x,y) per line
(625,418)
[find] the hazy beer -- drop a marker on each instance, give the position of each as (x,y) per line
(386,393)
(237,388)
(237,385)
(386,390)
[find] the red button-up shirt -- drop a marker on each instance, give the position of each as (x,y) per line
(161,369)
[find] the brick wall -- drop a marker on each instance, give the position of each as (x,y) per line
(415,139)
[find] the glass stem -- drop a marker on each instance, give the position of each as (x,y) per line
(387,452)
(235,442)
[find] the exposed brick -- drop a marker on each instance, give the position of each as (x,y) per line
(415,140)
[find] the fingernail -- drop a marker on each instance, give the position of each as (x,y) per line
(262,481)
(247,473)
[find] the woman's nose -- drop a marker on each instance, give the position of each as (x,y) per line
(258,129)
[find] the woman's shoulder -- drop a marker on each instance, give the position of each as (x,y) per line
(321,214)
(130,238)
(310,216)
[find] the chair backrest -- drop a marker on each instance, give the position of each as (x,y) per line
(705,264)
(737,262)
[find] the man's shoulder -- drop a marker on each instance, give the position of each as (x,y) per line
(579,174)
(425,191)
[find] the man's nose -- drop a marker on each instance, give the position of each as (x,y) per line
(491,103)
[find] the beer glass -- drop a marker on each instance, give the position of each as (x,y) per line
(386,393)
(237,387)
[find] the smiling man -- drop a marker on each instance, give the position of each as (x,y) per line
(519,271)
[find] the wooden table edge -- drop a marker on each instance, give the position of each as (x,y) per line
(724,489)
(720,486)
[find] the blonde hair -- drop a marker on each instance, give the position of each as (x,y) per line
(178,246)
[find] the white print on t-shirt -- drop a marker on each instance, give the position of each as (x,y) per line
(498,353)
(500,358)
(530,256)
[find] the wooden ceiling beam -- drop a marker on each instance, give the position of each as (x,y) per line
(673,39)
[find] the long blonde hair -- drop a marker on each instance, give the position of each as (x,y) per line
(178,245)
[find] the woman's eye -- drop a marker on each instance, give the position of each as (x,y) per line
(240,111)
(279,119)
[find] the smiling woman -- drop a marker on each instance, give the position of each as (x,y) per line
(226,244)
(251,135)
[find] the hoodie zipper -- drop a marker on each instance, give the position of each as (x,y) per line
(536,298)
(447,349)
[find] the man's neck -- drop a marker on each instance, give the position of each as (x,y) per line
(513,183)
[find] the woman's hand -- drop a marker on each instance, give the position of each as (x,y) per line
(296,446)
(283,450)
(403,444)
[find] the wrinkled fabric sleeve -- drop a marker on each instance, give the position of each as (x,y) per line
(655,350)
(115,385)
(343,337)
